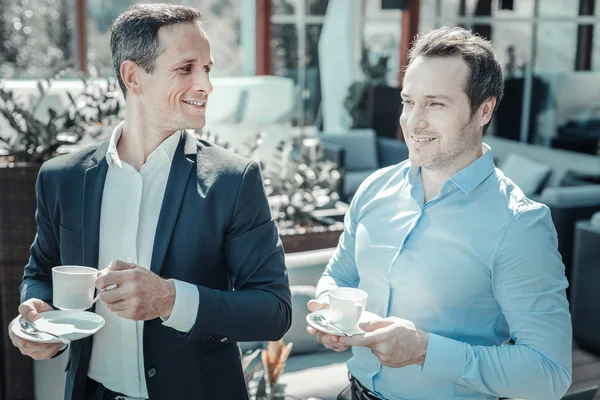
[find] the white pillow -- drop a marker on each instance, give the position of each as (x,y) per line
(528,175)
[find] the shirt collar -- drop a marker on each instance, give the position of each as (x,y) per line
(167,148)
(468,178)
(471,176)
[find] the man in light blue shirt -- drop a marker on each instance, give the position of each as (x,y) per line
(455,259)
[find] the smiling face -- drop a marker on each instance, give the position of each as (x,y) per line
(439,129)
(174,96)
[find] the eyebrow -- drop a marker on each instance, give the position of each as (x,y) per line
(193,60)
(429,96)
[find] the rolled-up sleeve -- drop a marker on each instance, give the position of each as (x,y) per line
(529,284)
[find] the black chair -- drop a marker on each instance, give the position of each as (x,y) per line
(582,394)
(585,284)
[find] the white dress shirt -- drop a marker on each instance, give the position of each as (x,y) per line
(131,205)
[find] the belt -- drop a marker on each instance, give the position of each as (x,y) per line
(102,393)
(361,392)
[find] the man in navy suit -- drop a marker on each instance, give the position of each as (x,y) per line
(181,227)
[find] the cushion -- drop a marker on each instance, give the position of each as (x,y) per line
(571,196)
(360,148)
(528,175)
(573,178)
(352,181)
(595,221)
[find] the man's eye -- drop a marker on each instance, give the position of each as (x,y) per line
(436,104)
(207,69)
(187,68)
(409,102)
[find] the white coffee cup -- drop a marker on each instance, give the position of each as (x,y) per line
(346,305)
(73,287)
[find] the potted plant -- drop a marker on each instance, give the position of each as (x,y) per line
(33,139)
(302,186)
(372,103)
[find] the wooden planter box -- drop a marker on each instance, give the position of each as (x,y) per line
(17,230)
(310,240)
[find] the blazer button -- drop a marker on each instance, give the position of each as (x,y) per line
(206,337)
(151,372)
(223,340)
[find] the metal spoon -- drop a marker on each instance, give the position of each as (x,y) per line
(31,329)
(321,320)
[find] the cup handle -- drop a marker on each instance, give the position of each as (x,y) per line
(98,296)
(359,308)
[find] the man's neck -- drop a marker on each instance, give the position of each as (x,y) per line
(433,179)
(138,140)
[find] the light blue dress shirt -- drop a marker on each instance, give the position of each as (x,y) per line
(474,267)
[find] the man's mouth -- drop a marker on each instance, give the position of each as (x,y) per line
(199,105)
(420,139)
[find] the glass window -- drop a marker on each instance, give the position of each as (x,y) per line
(596,48)
(221,21)
(559,8)
(36,37)
(316,7)
(283,7)
(474,8)
(299,64)
(556,47)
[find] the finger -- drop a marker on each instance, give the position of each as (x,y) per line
(311,330)
(370,326)
(29,309)
(119,306)
(368,339)
(117,265)
(110,278)
(114,295)
(46,352)
(315,305)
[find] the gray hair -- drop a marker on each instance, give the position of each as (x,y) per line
(485,78)
(134,34)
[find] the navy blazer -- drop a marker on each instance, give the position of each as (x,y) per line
(214,230)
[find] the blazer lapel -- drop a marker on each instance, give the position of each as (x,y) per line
(93,187)
(181,167)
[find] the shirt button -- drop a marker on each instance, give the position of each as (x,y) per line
(129,259)
(151,372)
(133,218)
(130,343)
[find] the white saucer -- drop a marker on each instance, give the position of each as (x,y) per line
(365,316)
(70,325)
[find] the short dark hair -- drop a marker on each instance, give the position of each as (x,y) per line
(485,77)
(134,34)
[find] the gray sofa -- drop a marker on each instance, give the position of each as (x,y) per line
(558,178)
(358,153)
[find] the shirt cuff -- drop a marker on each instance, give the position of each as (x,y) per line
(185,309)
(445,357)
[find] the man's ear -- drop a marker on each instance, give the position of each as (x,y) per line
(486,110)
(130,74)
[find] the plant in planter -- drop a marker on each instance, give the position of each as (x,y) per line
(35,139)
(372,103)
(302,187)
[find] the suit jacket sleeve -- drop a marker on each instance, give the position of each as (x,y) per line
(259,307)
(45,253)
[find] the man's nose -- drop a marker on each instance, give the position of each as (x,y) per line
(202,82)
(416,119)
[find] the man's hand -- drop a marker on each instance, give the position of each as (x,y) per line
(38,351)
(395,342)
(139,294)
(330,341)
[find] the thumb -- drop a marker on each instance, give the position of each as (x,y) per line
(374,324)
(316,305)
(32,307)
